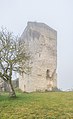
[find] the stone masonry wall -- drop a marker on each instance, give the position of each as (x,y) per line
(41,43)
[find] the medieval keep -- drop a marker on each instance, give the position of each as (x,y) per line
(41,42)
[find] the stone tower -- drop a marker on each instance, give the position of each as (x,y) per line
(41,42)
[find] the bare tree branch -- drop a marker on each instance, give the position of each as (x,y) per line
(12,56)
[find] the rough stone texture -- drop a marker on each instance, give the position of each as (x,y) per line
(5,87)
(15,83)
(41,42)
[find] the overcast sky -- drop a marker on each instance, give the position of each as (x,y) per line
(58,14)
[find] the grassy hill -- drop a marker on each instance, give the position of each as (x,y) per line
(49,105)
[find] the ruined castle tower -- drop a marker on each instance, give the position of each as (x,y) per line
(41,42)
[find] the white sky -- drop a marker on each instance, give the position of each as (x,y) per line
(14,15)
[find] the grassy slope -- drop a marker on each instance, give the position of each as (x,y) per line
(49,105)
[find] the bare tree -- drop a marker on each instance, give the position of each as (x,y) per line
(12,55)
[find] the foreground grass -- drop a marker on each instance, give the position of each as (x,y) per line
(49,105)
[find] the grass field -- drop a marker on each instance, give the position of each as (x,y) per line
(49,105)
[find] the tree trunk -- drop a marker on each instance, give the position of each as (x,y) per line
(11,89)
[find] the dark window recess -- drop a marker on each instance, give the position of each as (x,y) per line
(47,74)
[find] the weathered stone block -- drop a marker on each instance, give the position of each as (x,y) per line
(41,42)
